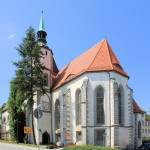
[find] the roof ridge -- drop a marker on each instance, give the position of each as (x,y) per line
(95,55)
(109,54)
(112,54)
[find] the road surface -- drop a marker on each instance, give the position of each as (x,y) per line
(4,146)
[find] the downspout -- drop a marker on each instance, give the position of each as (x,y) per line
(109,106)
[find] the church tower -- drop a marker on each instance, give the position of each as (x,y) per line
(42,33)
(48,60)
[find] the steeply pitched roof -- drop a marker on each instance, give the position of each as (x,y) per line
(137,109)
(42,26)
(99,58)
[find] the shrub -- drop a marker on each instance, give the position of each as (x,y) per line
(88,147)
(146,140)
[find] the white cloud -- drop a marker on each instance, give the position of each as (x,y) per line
(11,36)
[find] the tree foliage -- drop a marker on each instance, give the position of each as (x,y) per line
(147,116)
(16,113)
(29,73)
(1,109)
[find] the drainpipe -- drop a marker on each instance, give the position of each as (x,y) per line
(109,106)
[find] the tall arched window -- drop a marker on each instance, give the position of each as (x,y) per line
(78,107)
(100,106)
(57,114)
(120,104)
(139,129)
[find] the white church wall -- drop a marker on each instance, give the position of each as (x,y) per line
(139,118)
(123,137)
(45,121)
(58,94)
(123,81)
(124,130)
(95,79)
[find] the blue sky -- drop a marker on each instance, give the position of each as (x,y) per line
(74,26)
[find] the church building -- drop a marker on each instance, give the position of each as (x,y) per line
(89,101)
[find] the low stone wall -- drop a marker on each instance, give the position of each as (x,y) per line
(5,136)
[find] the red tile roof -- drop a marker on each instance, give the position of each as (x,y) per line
(137,109)
(99,58)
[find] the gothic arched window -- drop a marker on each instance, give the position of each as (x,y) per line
(78,107)
(120,104)
(139,129)
(57,114)
(100,106)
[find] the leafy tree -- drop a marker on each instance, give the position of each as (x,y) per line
(29,73)
(147,116)
(1,109)
(16,114)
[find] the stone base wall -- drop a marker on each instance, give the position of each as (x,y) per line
(5,136)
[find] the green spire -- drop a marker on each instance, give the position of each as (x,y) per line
(42,27)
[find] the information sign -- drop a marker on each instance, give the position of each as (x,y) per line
(105,134)
(27,130)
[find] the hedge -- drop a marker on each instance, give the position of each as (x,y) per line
(88,147)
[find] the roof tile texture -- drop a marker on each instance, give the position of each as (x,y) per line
(137,109)
(99,58)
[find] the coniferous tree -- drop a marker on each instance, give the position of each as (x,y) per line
(29,73)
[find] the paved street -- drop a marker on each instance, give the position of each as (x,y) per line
(4,146)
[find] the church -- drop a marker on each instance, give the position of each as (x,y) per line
(89,101)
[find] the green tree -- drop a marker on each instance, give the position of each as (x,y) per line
(16,114)
(147,116)
(1,109)
(29,73)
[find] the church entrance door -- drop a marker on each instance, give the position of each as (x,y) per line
(45,138)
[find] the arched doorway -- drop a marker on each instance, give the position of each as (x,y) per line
(45,138)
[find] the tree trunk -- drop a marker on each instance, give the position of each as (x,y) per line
(33,127)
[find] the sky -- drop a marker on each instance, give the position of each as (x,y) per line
(74,26)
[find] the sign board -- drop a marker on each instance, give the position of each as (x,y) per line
(67,135)
(105,134)
(27,130)
(36,114)
(39,105)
